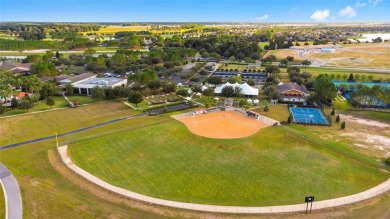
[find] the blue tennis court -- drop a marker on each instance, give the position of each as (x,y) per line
(308,115)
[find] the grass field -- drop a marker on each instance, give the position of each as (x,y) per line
(55,192)
(114,29)
(25,127)
(264,169)
(283,53)
(372,55)
(60,102)
(316,71)
(278,112)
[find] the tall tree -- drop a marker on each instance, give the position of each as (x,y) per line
(135,97)
(325,90)
(50,101)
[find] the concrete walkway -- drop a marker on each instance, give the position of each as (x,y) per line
(13,199)
(380,189)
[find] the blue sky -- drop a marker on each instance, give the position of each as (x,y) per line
(194,10)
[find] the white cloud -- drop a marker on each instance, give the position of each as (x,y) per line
(360,4)
(374,2)
(347,12)
(319,15)
(264,17)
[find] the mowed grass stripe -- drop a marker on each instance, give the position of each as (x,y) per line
(272,167)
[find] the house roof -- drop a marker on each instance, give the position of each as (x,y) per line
(15,68)
(21,95)
(58,78)
(79,77)
(291,86)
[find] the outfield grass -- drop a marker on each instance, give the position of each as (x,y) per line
(26,127)
(167,161)
(48,194)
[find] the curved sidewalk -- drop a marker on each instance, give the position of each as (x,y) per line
(380,189)
(13,199)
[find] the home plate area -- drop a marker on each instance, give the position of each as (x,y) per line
(221,124)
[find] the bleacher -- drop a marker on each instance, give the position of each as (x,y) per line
(213,109)
(252,114)
(168,109)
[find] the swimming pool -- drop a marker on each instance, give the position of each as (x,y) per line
(308,116)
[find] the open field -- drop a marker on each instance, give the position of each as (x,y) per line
(26,127)
(222,125)
(60,102)
(269,165)
(337,71)
(374,55)
(50,190)
(283,53)
(111,30)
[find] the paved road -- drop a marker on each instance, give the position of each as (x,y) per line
(13,199)
(377,190)
(314,62)
(69,133)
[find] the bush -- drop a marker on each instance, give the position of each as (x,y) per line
(2,109)
(333,112)
(266,109)
(289,120)
(182,92)
(387,161)
(343,125)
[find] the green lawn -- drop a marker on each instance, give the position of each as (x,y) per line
(47,194)
(316,71)
(167,161)
(60,102)
(84,99)
(26,127)
(278,112)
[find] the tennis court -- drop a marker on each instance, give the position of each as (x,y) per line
(308,116)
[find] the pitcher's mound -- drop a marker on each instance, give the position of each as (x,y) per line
(222,124)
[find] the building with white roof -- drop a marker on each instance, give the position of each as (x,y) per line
(85,86)
(246,89)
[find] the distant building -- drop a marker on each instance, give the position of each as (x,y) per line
(17,69)
(76,78)
(55,78)
(246,90)
(328,50)
(293,93)
(260,76)
(85,86)
(225,74)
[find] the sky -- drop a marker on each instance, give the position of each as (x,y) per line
(195,10)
